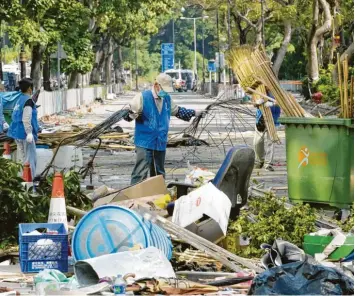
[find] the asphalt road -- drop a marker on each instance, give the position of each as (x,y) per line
(223,131)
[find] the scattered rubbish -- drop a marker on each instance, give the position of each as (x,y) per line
(302,278)
(206,200)
(226,258)
(328,244)
(154,186)
(170,286)
(111,229)
(45,251)
(119,287)
(281,252)
(53,280)
(149,262)
(198,176)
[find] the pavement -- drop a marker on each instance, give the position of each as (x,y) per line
(224,130)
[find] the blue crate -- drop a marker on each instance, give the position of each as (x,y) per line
(35,256)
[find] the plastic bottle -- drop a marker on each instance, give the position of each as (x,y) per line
(119,287)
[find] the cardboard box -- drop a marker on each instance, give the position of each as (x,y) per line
(154,186)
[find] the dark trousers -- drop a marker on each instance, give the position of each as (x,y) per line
(148,160)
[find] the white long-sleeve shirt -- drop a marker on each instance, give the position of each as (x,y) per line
(136,105)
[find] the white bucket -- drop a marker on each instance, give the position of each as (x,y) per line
(44,156)
(68,157)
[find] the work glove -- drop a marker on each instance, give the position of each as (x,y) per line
(201,113)
(269,104)
(259,102)
(5,126)
(29,138)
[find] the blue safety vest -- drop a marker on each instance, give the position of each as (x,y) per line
(1,116)
(17,129)
(152,127)
(275,111)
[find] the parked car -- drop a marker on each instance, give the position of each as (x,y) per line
(183,80)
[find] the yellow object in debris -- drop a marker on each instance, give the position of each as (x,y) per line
(163,201)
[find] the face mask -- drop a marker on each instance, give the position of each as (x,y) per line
(162,93)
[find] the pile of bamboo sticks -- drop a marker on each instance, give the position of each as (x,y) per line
(253,70)
(346,95)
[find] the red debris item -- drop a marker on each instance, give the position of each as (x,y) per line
(317,97)
(27,176)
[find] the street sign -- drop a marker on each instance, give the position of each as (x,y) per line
(211,66)
(167,56)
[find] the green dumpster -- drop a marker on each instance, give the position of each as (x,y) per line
(320,160)
(314,244)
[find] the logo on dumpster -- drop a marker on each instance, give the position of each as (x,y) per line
(307,157)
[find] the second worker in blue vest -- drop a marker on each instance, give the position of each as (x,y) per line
(152,110)
(24,126)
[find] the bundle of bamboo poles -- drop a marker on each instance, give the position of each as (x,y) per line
(253,70)
(346,95)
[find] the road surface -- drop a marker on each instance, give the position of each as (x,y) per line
(113,168)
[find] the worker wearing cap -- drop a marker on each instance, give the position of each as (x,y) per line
(3,124)
(152,110)
(265,158)
(24,126)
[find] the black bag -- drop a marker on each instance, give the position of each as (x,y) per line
(260,126)
(302,278)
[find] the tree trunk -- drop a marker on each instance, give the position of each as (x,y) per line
(108,62)
(259,33)
(73,80)
(315,34)
(37,52)
(119,69)
(281,53)
(47,74)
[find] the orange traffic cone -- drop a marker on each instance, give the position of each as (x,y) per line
(27,176)
(57,209)
(7,151)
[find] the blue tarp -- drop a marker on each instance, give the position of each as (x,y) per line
(9,99)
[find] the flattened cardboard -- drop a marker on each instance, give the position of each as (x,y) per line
(150,187)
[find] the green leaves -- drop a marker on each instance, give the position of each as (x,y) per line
(17,205)
(272,221)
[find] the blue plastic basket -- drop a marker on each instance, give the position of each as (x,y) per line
(36,255)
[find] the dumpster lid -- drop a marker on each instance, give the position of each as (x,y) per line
(349,122)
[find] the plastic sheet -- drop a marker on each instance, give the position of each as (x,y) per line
(302,278)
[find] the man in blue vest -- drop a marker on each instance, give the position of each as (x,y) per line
(152,110)
(24,126)
(262,158)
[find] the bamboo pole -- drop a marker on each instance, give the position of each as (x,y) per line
(340,85)
(352,97)
(346,74)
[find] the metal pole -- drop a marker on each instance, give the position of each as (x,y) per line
(23,62)
(58,65)
(203,53)
(210,83)
(219,72)
(262,23)
(174,41)
(195,65)
(229,40)
(135,50)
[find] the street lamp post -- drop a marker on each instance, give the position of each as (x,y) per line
(195,46)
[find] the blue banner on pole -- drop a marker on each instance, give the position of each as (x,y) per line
(212,66)
(167,56)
